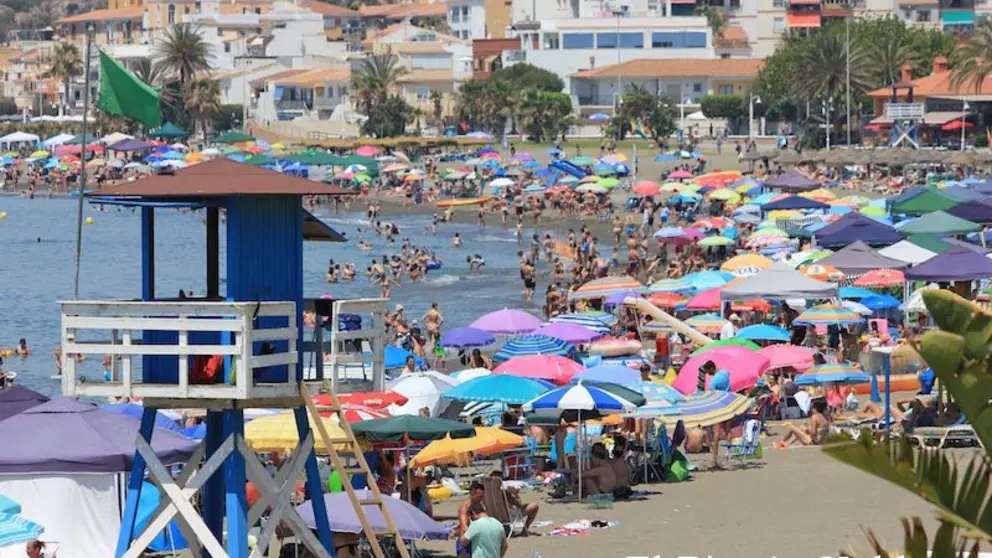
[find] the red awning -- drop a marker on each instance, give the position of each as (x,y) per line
(804,20)
(956,125)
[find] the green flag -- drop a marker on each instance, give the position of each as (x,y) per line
(124,94)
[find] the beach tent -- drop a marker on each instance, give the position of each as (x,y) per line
(854,227)
(233,137)
(791,181)
(940,223)
(976,211)
(859,258)
(57,140)
(130,144)
(907,252)
(115,137)
(962,193)
(930,242)
(957,264)
(794,202)
(779,282)
(65,469)
(168,131)
(18,137)
(17,399)
(925,201)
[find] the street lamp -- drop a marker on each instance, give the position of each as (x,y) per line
(964,122)
(752,100)
(685,101)
(617,13)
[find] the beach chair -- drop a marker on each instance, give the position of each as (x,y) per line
(748,447)
(940,437)
(498,507)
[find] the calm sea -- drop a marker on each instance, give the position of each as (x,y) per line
(37,246)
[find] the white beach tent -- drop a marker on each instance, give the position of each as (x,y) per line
(58,140)
(18,137)
(906,251)
(111,139)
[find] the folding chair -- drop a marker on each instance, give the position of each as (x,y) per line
(498,507)
(748,448)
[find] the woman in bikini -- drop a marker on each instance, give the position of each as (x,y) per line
(814,433)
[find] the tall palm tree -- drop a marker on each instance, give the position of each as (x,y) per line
(203,101)
(183,52)
(824,72)
(437,106)
(376,78)
(886,56)
(66,63)
(153,74)
(971,62)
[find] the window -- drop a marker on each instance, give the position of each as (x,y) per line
(724,55)
(425,37)
(551,41)
(697,87)
(423,93)
(465,13)
(654,5)
(725,90)
(342,91)
(678,40)
(778,25)
(778,3)
(172,14)
(627,40)
(258,11)
(455,15)
(577,40)
(185,10)
(923,15)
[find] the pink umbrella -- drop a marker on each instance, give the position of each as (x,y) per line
(507,321)
(781,356)
(680,174)
(568,332)
(366,151)
(552,368)
(706,300)
(744,366)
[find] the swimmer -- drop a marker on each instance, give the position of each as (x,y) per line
(456,241)
(527,274)
(433,227)
(433,321)
(349,272)
(475,263)
(22,350)
(332,272)
(363,245)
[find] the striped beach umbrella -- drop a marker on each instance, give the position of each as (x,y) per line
(833,373)
(828,314)
(822,272)
(14,529)
(527,345)
(702,410)
(707,323)
(746,265)
(569,333)
(666,300)
(580,397)
(601,288)
(359,413)
(670,286)
(599,322)
(732,342)
(702,280)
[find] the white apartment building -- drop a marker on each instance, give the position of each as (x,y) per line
(467,19)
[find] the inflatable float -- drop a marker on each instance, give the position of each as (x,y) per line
(464,201)
(615,347)
(900,382)
(432,265)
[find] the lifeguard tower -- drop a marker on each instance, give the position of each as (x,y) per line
(225,352)
(906,116)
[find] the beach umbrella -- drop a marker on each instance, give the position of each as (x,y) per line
(655,392)
(463,376)
(715,241)
(666,300)
(713,223)
(373,399)
(822,272)
(233,137)
(731,342)
(357,413)
(880,302)
(707,323)
(702,280)
(422,389)
(670,286)
(833,373)
(601,288)
(278,433)
(699,410)
(502,182)
(613,373)
(828,314)
(569,332)
(679,174)
(462,337)
(136,411)
(746,265)
(706,300)
(395,357)
(580,397)
(406,428)
(591,189)
(873,211)
(599,117)
(724,194)
(498,388)
(881,278)
(617,298)
(642,188)
(531,344)
(763,332)
(743,365)
(411,523)
(582,161)
(14,529)
(785,355)
(488,440)
(857,307)
(855,293)
(600,322)
(608,183)
(552,368)
(507,321)
(367,151)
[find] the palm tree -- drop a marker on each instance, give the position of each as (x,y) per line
(437,105)
(183,52)
(153,74)
(66,63)
(886,57)
(824,74)
(203,101)
(971,62)
(376,78)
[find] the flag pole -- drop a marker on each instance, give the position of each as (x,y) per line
(82,168)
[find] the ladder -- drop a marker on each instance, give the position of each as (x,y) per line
(362,468)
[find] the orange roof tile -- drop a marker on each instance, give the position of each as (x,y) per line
(105,15)
(482,47)
(427,76)
(27,56)
(733,36)
(315,77)
(938,84)
(402,11)
(324,8)
(647,68)
(276,77)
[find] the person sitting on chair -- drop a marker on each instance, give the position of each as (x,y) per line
(529,511)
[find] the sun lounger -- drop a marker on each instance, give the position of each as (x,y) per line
(939,437)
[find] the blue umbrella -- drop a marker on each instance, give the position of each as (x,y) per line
(833,373)
(498,388)
(655,391)
(8,506)
(173,155)
(461,337)
(580,397)
(533,345)
(670,232)
(763,332)
(613,373)
(880,302)
(702,280)
(855,293)
(599,117)
(395,357)
(15,529)
(552,151)
(136,411)
(600,322)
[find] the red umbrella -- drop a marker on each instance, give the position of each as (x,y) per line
(373,399)
(881,278)
(665,300)
(647,188)
(956,125)
(358,413)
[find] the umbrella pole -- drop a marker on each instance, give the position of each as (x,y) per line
(579,452)
(406,457)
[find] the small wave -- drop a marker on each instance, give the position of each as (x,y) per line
(493,238)
(446,279)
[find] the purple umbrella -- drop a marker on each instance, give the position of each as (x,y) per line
(461,337)
(17,399)
(410,521)
(65,435)
(617,298)
(569,332)
(507,321)
(523,157)
(613,373)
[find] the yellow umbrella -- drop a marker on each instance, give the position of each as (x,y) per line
(820,194)
(746,265)
(447,451)
(39,154)
(191,157)
(673,187)
(784,214)
(98,162)
(277,145)
(590,178)
(278,433)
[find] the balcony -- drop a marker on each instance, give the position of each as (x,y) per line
(514,56)
(957,4)
(174,339)
(287,105)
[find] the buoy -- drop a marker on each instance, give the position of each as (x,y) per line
(3,214)
(89,220)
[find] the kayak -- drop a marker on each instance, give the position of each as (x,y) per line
(900,382)
(464,201)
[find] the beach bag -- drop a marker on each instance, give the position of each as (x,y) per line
(678,470)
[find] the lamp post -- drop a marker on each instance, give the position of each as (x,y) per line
(685,101)
(617,13)
(964,122)
(752,100)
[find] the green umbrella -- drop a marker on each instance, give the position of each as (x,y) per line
(168,131)
(605,171)
(873,211)
(322,158)
(581,161)
(233,137)
(411,427)
(732,342)
(78,140)
(259,160)
(230,150)
(715,241)
(361,178)
(609,183)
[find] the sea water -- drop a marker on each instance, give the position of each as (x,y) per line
(37,255)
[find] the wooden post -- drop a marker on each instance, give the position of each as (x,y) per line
(135,481)
(314,490)
(213,253)
(234,483)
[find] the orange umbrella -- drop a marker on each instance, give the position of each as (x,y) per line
(665,300)
(881,278)
(823,272)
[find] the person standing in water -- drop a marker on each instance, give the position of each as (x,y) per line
(527,273)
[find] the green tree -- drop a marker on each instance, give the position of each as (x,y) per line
(375,80)
(958,350)
(469,104)
(227,117)
(527,76)
(8,106)
(438,107)
(715,19)
(545,115)
(644,109)
(203,101)
(971,63)
(389,118)
(66,64)
(183,53)
(734,108)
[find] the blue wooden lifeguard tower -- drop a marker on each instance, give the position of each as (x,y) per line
(225,352)
(906,116)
